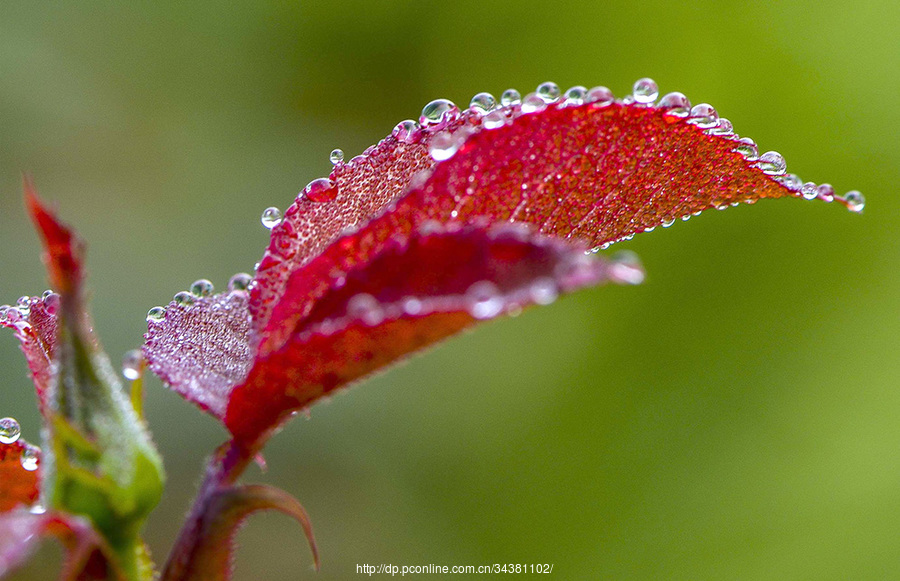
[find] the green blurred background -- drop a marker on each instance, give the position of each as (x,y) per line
(735,417)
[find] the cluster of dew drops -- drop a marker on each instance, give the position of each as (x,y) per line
(17,315)
(437,114)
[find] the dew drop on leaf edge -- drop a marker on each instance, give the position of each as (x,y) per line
(9,430)
(271,217)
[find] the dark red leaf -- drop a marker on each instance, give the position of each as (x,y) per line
(416,292)
(18,475)
(587,170)
(21,532)
(63,250)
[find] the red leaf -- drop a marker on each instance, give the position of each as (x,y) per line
(588,170)
(416,292)
(64,251)
(18,475)
(21,532)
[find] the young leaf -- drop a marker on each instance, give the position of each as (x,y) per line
(102,462)
(588,170)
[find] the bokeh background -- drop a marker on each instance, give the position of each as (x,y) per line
(735,417)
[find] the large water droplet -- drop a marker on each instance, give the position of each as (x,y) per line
(626,267)
(320,190)
(24,305)
(548,92)
(600,96)
(184,298)
(483,300)
(826,192)
(575,96)
(675,104)
(131,364)
(809,190)
(483,103)
(202,288)
(51,303)
(494,119)
(336,156)
(9,430)
(406,131)
(30,457)
(856,202)
(532,103)
(771,163)
(704,116)
(438,113)
(443,146)
(747,148)
(510,97)
(723,127)
(240,282)
(271,217)
(156,314)
(645,91)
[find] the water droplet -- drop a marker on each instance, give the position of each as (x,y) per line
(645,91)
(51,303)
(575,95)
(532,103)
(510,97)
(483,300)
(443,146)
(704,116)
(239,282)
(826,192)
(438,114)
(30,457)
(9,430)
(626,268)
(668,223)
(184,298)
(772,163)
(131,364)
(24,305)
(406,131)
(156,314)
(483,103)
(675,104)
(548,92)
(366,308)
(600,96)
(202,288)
(747,148)
(494,119)
(4,313)
(543,291)
(337,156)
(809,190)
(856,202)
(791,181)
(46,294)
(320,190)
(723,127)
(271,217)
